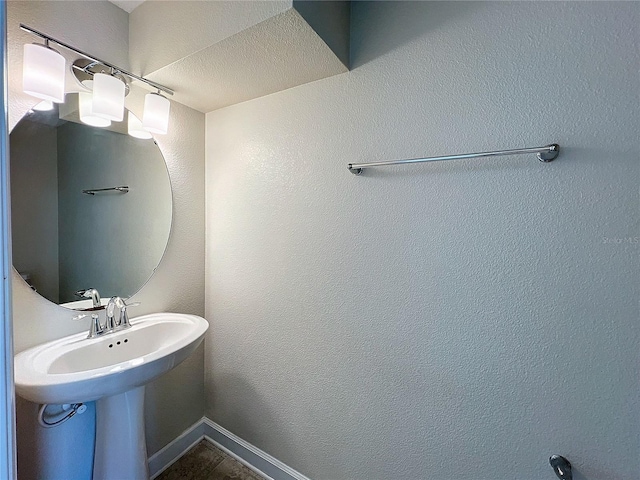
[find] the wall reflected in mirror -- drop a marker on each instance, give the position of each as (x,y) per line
(65,240)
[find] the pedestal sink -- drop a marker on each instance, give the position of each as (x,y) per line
(113,370)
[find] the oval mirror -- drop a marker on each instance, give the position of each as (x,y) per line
(73,227)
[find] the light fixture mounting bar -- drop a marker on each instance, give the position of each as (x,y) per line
(48,38)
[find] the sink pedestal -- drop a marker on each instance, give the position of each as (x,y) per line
(121,447)
(77,368)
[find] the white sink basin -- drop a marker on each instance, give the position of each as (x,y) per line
(113,370)
(77,369)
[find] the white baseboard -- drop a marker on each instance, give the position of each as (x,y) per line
(261,462)
(248,454)
(163,459)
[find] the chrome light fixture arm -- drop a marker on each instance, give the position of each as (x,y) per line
(92,58)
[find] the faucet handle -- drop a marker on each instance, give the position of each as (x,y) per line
(96,327)
(123,322)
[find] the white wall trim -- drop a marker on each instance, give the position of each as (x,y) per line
(164,458)
(261,462)
(248,454)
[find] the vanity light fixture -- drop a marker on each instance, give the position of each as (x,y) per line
(110,84)
(108,97)
(43,106)
(85,108)
(155,118)
(135,129)
(43,72)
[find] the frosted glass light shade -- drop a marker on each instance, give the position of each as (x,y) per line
(43,73)
(155,118)
(134,127)
(85,103)
(108,97)
(43,106)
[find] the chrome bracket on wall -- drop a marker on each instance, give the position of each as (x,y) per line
(84,69)
(561,467)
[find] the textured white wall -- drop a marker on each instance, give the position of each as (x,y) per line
(102,28)
(451,320)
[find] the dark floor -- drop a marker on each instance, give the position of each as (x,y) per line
(206,462)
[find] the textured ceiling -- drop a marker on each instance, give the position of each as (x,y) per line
(127,5)
(279,53)
(215,54)
(163,32)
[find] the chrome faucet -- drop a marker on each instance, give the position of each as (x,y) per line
(110,322)
(91,293)
(113,322)
(121,321)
